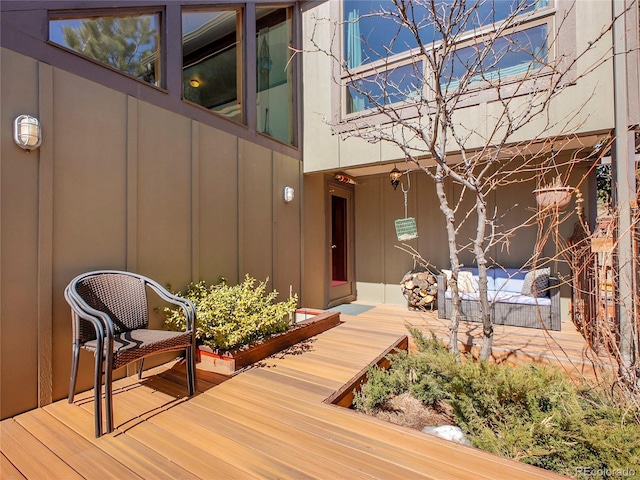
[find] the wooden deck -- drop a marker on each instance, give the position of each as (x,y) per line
(268,421)
(566,349)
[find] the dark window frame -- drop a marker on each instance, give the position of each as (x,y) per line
(296,81)
(241,89)
(82,14)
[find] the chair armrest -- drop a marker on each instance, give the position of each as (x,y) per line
(100,320)
(187,305)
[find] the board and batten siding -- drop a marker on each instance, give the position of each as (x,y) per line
(120,183)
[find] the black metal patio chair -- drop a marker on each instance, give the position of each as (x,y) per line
(110,317)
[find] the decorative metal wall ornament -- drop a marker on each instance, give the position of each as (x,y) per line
(341,177)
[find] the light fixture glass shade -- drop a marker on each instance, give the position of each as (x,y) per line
(394,177)
(288,194)
(27,132)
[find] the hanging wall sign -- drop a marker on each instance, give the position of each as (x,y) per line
(406,229)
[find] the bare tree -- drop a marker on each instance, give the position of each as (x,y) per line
(465,53)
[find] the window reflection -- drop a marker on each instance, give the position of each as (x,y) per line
(128,43)
(275,73)
(372,33)
(514,54)
(394,85)
(211,61)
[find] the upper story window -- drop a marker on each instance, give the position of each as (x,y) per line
(212,60)
(128,43)
(514,54)
(275,73)
(207,65)
(373,32)
(394,85)
(374,35)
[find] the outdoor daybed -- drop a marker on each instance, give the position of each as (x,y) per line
(516,297)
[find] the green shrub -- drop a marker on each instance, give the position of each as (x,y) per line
(375,391)
(529,413)
(230,317)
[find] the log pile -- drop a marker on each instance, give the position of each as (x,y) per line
(420,288)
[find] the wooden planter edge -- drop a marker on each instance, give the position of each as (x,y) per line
(320,322)
(344,396)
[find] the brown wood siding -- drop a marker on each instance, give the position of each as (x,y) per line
(126,185)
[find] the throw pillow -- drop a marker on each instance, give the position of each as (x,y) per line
(536,283)
(465,282)
(447,274)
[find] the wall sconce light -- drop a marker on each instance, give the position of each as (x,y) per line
(27,132)
(288,193)
(194,82)
(394,177)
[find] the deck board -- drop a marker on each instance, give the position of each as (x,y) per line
(270,420)
(80,454)
(384,441)
(308,448)
(29,456)
(8,471)
(143,460)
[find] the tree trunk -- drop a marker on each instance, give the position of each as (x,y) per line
(453,258)
(481,260)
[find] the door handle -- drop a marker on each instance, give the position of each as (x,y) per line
(334,246)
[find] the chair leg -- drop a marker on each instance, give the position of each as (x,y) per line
(191,370)
(108,397)
(97,388)
(74,370)
(140,369)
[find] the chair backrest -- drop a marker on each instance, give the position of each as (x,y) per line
(123,297)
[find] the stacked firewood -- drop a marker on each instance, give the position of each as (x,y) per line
(420,288)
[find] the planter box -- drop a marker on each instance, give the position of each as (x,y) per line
(308,323)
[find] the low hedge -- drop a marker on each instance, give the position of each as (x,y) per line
(230,317)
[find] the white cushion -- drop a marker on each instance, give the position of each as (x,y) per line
(463,296)
(506,297)
(509,297)
(508,280)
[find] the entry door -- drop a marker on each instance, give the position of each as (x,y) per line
(341,256)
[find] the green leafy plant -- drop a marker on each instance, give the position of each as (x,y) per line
(534,414)
(232,317)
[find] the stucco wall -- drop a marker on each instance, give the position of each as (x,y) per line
(120,183)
